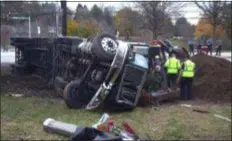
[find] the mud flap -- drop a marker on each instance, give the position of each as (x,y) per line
(114,72)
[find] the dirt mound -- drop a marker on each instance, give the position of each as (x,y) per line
(213,79)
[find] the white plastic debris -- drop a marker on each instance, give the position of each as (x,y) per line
(102,120)
(58,127)
(186,105)
(221,117)
(17,95)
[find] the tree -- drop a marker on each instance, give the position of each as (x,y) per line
(168,28)
(156,13)
(85,28)
(213,12)
(72,28)
(226,21)
(183,28)
(89,28)
(96,12)
(82,12)
(127,21)
(8,7)
(108,20)
(204,30)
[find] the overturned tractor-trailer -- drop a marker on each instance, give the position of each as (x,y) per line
(88,72)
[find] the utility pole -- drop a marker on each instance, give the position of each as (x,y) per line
(57,24)
(57,20)
(29,26)
(64,18)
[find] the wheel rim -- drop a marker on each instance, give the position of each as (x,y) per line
(109,45)
(71,96)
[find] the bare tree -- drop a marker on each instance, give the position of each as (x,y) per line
(108,20)
(183,28)
(227,22)
(213,12)
(157,12)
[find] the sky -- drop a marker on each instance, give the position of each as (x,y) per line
(190,11)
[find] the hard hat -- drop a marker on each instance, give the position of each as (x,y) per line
(157,57)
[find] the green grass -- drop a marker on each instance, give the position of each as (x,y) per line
(180,43)
(22,118)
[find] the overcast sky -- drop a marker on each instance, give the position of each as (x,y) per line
(190,11)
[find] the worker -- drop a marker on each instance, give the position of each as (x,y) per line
(156,61)
(172,65)
(200,43)
(186,76)
(218,48)
(191,47)
(154,49)
(210,46)
(153,81)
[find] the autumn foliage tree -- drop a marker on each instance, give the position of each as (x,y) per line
(72,28)
(204,30)
(88,28)
(126,21)
(84,28)
(213,11)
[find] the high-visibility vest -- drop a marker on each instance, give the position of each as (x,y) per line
(173,65)
(189,68)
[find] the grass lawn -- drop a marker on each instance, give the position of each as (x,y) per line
(22,118)
(180,43)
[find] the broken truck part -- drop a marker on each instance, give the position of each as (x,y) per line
(75,132)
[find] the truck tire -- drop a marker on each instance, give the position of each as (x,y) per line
(105,47)
(72,95)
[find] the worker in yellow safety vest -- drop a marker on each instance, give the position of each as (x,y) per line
(186,76)
(172,66)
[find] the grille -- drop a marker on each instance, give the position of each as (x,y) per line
(133,76)
(131,83)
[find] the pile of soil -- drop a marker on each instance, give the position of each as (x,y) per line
(213,79)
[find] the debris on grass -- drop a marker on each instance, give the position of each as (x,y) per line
(200,111)
(105,128)
(102,120)
(195,109)
(221,117)
(186,105)
(16,95)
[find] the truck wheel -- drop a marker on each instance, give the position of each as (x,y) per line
(72,95)
(105,46)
